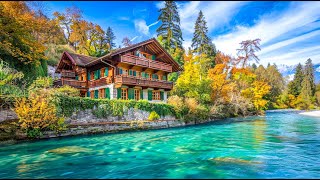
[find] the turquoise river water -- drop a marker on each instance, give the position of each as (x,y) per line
(283,144)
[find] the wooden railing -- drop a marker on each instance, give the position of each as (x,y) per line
(69,74)
(70,82)
(100,82)
(135,60)
(130,80)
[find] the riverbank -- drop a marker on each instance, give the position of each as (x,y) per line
(311,113)
(85,122)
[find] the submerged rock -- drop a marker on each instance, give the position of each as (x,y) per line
(234,160)
(68,150)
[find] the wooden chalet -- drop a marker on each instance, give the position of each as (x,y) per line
(139,71)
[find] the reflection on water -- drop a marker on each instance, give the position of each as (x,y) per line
(280,145)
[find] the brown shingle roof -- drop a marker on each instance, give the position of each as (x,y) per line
(87,61)
(81,60)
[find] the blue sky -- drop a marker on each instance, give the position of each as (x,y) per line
(289,31)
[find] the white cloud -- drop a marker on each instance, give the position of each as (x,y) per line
(160,4)
(318,69)
(216,13)
(142,26)
(272,26)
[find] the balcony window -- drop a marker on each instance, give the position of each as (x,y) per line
(164,78)
(120,71)
(155,76)
(155,95)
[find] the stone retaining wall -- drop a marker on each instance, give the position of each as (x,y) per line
(132,114)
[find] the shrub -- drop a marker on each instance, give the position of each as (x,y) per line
(37,114)
(178,104)
(40,83)
(104,107)
(154,116)
(67,91)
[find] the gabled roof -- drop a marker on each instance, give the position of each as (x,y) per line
(81,60)
(87,61)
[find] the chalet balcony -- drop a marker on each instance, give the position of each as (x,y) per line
(100,82)
(143,62)
(131,80)
(71,82)
(68,74)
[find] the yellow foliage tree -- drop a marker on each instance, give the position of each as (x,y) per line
(37,114)
(257,93)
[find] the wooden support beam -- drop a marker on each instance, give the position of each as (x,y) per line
(160,55)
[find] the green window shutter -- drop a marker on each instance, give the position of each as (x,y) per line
(150,95)
(143,74)
(120,71)
(107,91)
(141,94)
(161,95)
(88,75)
(106,72)
(88,93)
(77,77)
(96,94)
(95,74)
(130,93)
(119,93)
(164,78)
(153,57)
(134,73)
(130,72)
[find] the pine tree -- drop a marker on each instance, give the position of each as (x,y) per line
(170,27)
(110,37)
(254,66)
(308,86)
(201,43)
(294,87)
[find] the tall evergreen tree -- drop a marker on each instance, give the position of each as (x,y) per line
(110,37)
(308,86)
(294,87)
(201,43)
(170,27)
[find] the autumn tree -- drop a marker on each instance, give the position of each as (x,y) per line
(126,42)
(247,51)
(70,16)
(170,26)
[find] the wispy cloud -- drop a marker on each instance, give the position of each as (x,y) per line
(217,14)
(134,38)
(124,18)
(271,29)
(142,27)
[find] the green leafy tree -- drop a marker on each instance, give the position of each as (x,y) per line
(170,26)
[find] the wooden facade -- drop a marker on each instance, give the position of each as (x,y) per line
(127,71)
